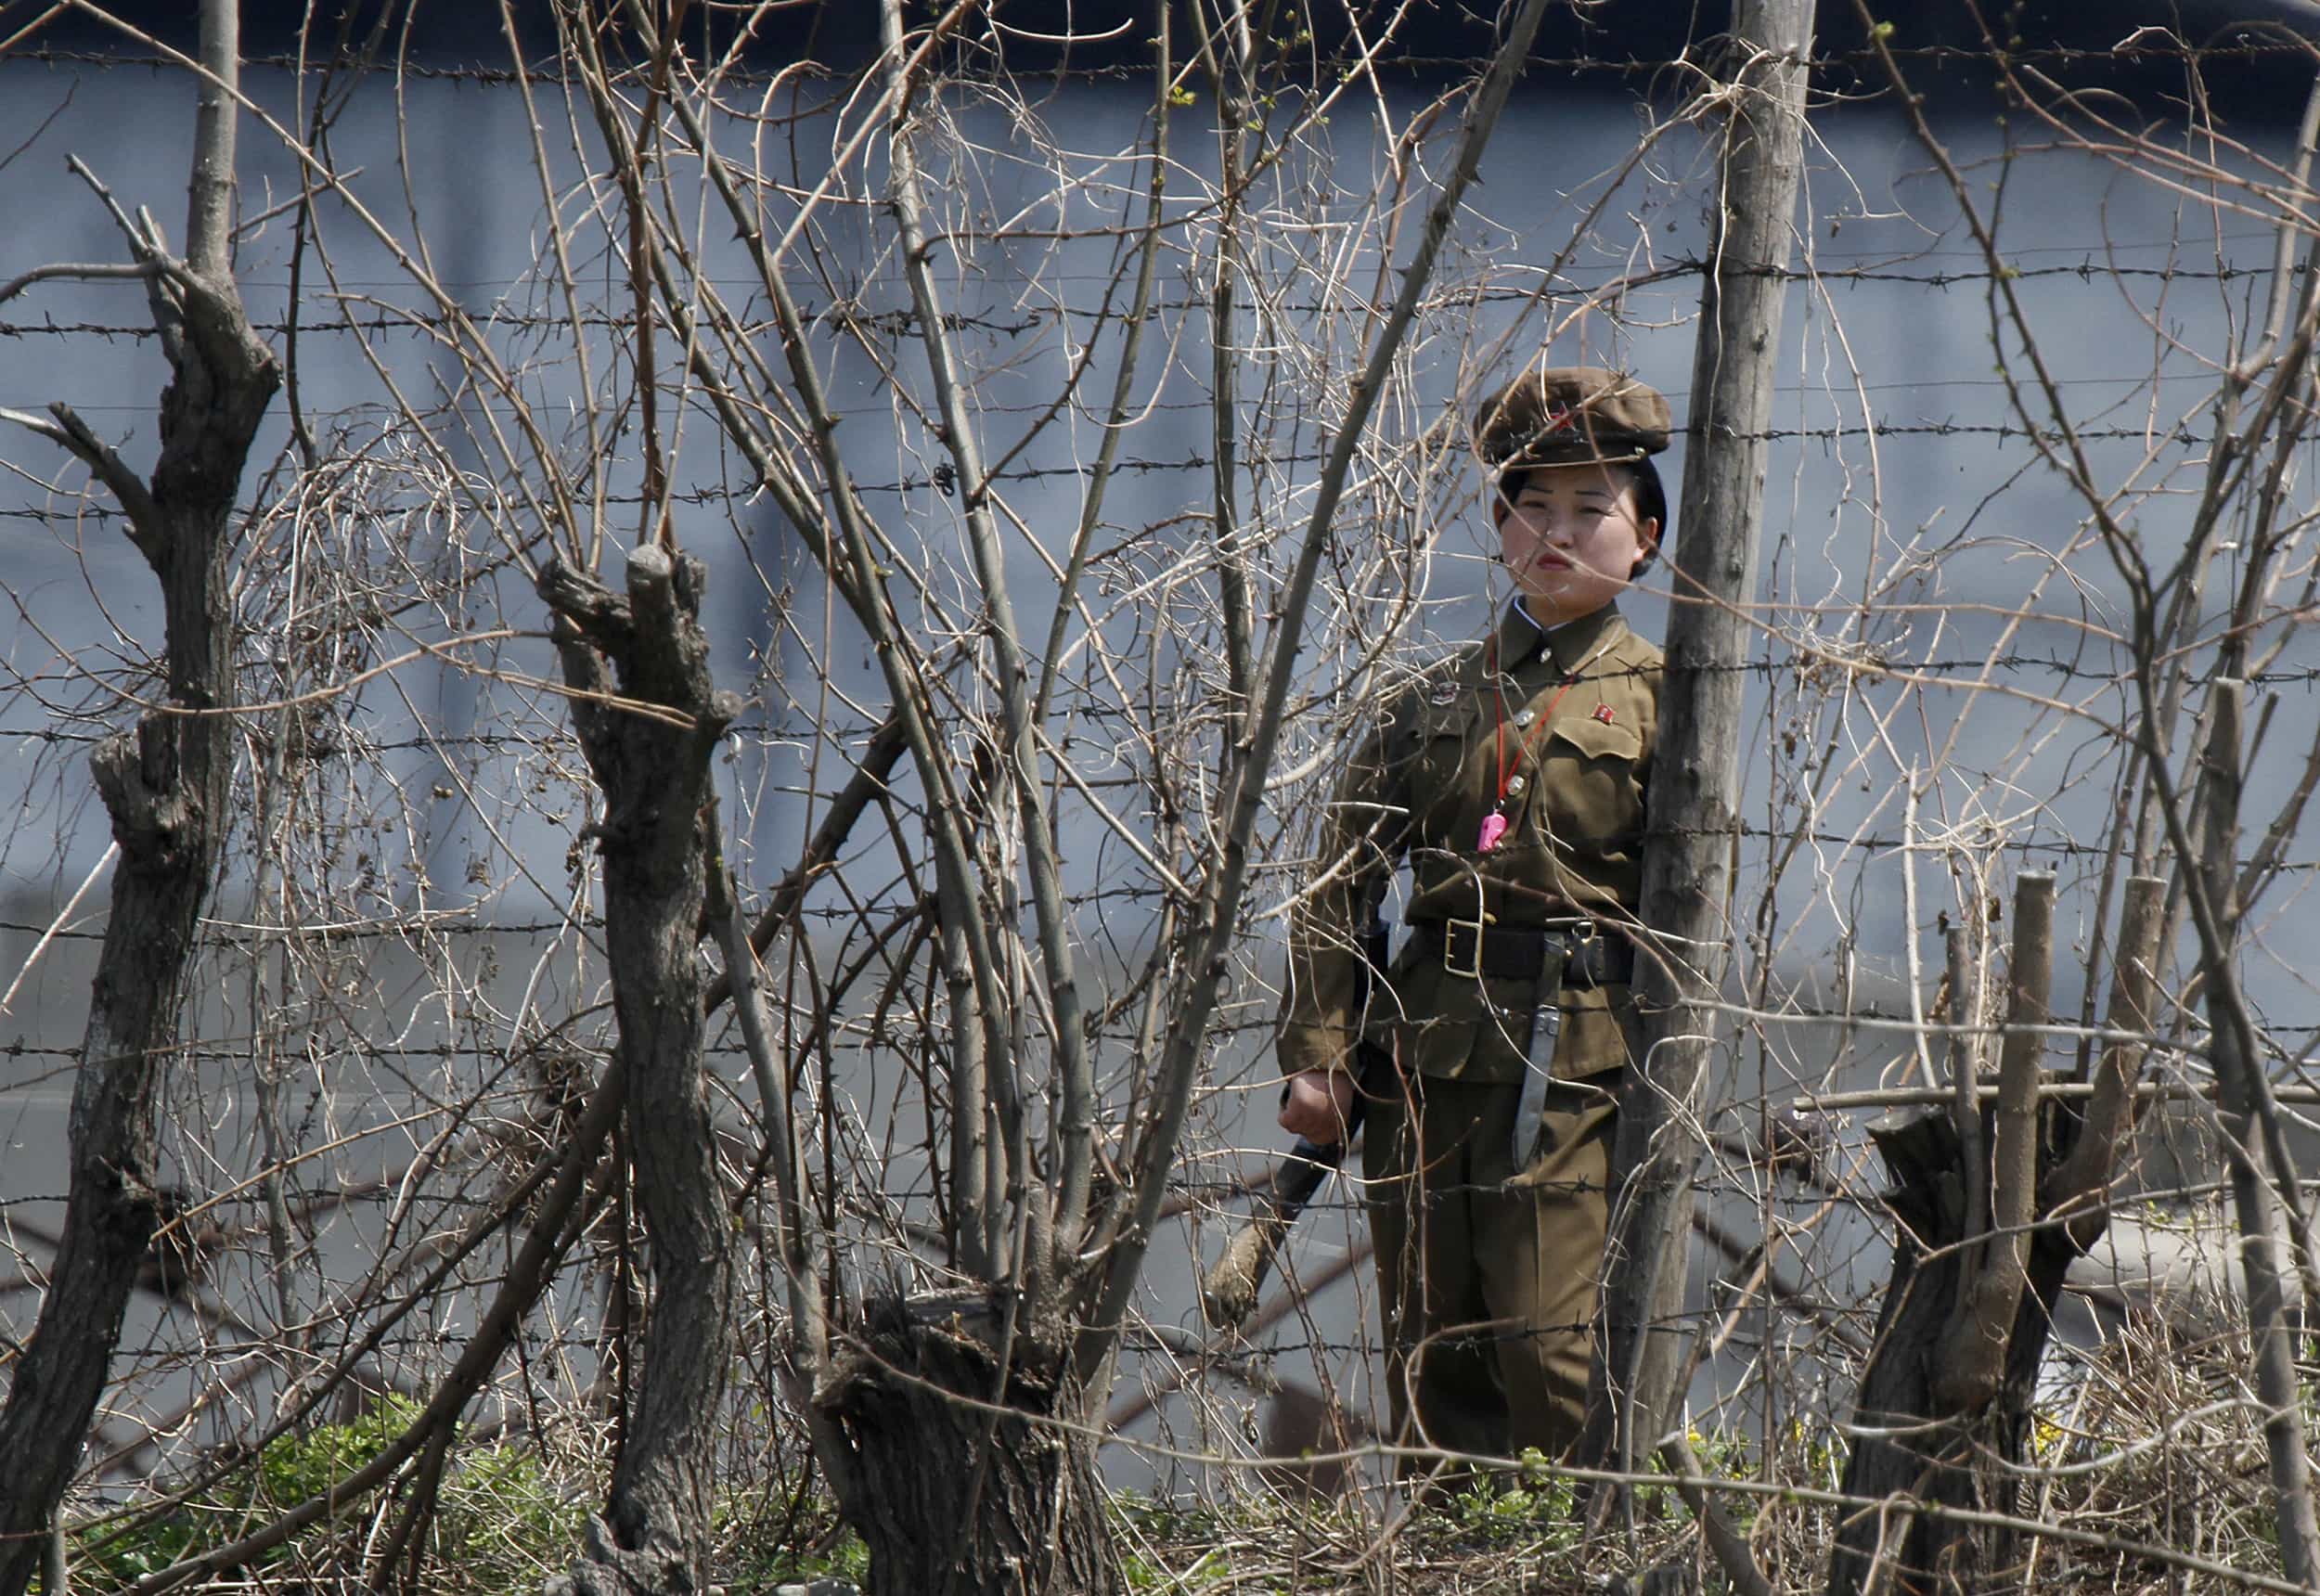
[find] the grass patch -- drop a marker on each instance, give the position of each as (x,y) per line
(499,1523)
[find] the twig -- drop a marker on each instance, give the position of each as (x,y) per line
(1074,1069)
(1731,1548)
(1124,384)
(69,431)
(112,851)
(92,272)
(528,1273)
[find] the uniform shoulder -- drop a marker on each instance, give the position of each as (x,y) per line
(1426,681)
(1636,661)
(1637,649)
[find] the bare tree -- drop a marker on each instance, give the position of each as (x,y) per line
(1990,1214)
(1638,1367)
(994,1372)
(165,786)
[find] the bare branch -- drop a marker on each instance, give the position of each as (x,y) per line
(94,273)
(1073,1071)
(1961,947)
(145,527)
(793,1237)
(1730,1547)
(1124,384)
(210,203)
(553,1230)
(2249,1113)
(867,785)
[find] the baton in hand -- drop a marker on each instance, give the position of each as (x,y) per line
(1228,1292)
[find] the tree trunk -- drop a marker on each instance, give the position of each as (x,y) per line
(948,1493)
(1695,773)
(166,788)
(1934,1455)
(654,838)
(2245,1099)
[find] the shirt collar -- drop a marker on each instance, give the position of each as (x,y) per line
(1519,636)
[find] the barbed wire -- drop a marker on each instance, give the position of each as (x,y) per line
(403,929)
(1851,662)
(1793,1014)
(2244,49)
(903,322)
(1196,462)
(1224,1195)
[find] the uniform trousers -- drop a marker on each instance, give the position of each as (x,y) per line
(1486,1274)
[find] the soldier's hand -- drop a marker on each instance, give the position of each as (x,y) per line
(1317,1105)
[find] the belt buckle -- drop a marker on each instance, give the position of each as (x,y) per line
(1578,939)
(1450,928)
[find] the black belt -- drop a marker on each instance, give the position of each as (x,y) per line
(1474,949)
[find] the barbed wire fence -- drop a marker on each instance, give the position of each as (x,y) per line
(405,950)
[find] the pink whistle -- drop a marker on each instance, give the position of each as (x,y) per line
(1493,830)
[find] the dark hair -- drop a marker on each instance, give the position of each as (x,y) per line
(1651,499)
(1651,504)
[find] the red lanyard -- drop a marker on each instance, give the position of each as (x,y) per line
(1530,744)
(1495,824)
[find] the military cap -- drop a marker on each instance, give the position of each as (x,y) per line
(1571,415)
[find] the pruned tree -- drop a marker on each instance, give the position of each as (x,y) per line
(165,782)
(638,665)
(1994,1197)
(952,1414)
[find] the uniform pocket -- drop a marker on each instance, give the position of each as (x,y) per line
(1593,739)
(1590,801)
(1450,775)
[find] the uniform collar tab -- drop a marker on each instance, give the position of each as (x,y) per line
(1575,642)
(1518,636)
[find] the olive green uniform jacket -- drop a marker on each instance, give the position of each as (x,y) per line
(1569,719)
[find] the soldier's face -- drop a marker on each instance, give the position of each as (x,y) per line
(1571,539)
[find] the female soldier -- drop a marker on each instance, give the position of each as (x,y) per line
(1511,778)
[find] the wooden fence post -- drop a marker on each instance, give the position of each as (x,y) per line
(1696,767)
